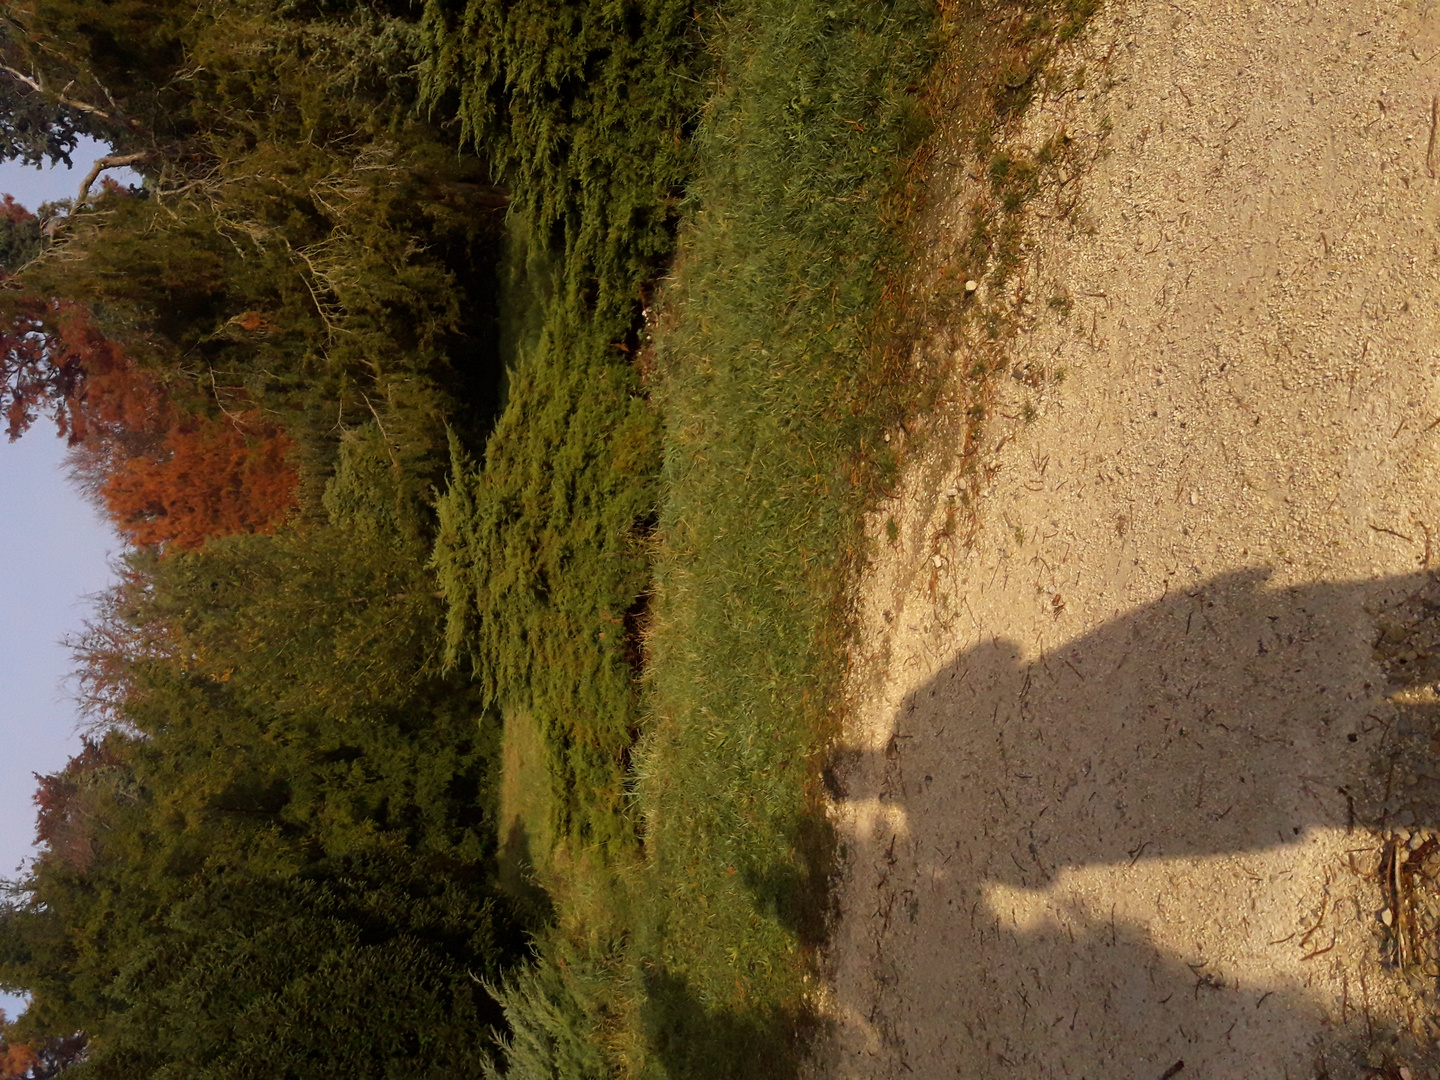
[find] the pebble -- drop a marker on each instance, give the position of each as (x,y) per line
(1386,917)
(971,285)
(952,493)
(1402,835)
(1417,840)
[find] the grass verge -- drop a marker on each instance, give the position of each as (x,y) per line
(785,359)
(782,359)
(775,411)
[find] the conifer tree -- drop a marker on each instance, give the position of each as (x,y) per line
(279,861)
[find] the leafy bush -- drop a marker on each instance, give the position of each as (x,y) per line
(553,1033)
(584,108)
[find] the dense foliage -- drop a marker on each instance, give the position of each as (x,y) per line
(305,254)
(381,373)
(277,855)
(542,552)
(279,861)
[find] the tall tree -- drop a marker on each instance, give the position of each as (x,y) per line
(280,861)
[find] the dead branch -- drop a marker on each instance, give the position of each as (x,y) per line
(110,161)
(68,102)
(1434,123)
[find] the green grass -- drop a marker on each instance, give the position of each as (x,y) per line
(775,413)
(683,944)
(526,832)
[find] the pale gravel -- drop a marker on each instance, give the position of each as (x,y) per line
(1097,737)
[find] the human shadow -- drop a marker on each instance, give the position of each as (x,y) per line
(1229,721)
(516,877)
(689,1039)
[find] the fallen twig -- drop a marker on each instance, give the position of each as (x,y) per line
(1319,952)
(1402,939)
(1392,532)
(1392,883)
(1324,906)
(1434,122)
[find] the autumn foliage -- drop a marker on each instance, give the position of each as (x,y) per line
(167,476)
(31,1061)
(210,478)
(16,1061)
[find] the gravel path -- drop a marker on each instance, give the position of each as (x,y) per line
(1123,752)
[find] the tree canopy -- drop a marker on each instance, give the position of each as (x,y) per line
(381,250)
(275,855)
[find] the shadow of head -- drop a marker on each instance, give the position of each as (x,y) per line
(796,892)
(1227,717)
(690,1039)
(517,876)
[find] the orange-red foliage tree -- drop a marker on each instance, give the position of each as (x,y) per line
(166,476)
(64,830)
(16,1061)
(27,1061)
(208,478)
(36,372)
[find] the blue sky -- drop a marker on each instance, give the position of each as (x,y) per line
(57,550)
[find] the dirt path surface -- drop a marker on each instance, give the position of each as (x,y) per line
(1125,755)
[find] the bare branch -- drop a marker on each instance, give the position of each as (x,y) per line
(110,161)
(68,102)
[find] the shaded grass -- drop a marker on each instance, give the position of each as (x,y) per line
(526,815)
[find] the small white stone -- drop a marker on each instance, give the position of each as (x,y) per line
(952,493)
(1387,917)
(887,436)
(971,285)
(1193,500)
(1416,841)
(938,560)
